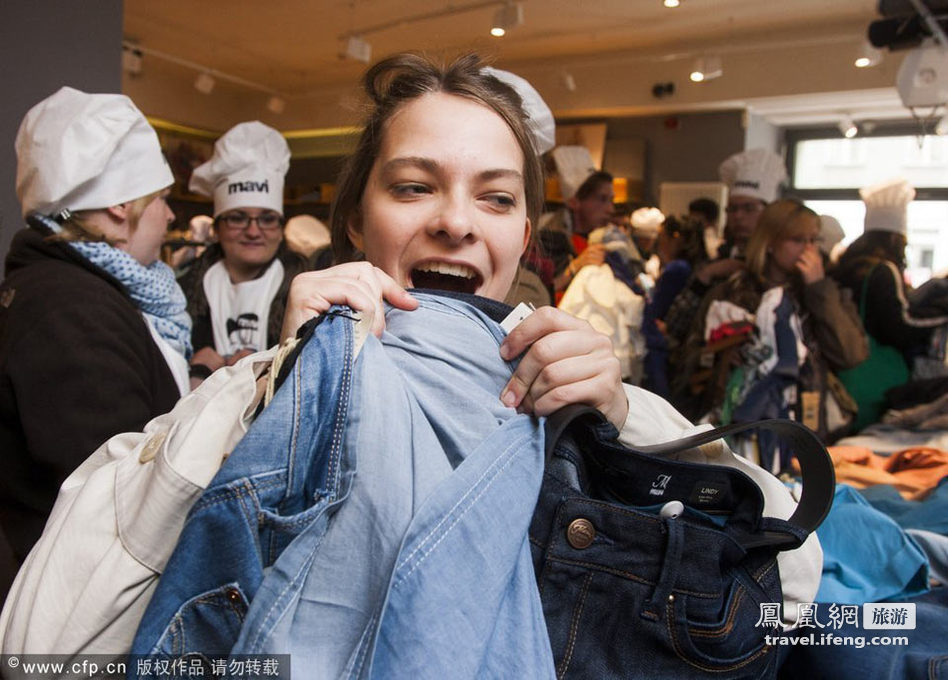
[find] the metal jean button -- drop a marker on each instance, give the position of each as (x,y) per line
(580,533)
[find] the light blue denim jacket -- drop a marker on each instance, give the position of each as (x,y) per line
(405,552)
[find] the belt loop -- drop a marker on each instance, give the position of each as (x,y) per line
(662,594)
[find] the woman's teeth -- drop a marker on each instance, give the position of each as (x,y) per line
(448,269)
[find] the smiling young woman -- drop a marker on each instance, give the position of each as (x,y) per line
(442,192)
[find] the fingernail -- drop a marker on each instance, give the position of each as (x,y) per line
(504,351)
(508,398)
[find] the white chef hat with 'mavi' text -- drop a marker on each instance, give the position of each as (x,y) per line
(247,170)
(756,173)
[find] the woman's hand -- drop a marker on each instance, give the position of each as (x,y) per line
(208,356)
(356,284)
(810,265)
(566,362)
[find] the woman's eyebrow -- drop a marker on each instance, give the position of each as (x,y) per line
(432,166)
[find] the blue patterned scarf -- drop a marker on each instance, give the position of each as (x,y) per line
(153,288)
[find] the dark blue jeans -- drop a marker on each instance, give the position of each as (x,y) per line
(644,565)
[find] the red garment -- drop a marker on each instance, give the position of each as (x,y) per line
(728,330)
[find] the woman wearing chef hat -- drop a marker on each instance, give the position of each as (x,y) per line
(872,269)
(93,330)
(237,290)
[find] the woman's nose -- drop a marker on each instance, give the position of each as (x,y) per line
(455,219)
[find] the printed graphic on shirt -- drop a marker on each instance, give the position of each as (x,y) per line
(242,331)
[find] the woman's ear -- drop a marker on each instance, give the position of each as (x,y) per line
(527,230)
(118,212)
(354,230)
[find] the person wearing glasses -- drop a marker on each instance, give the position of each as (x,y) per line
(237,290)
(753,178)
(776,330)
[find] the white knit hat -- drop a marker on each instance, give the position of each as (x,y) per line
(574,165)
(887,205)
(247,169)
(540,118)
(756,173)
(646,221)
(305,234)
(79,151)
(831,231)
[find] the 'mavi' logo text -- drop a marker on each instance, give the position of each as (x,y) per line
(249,185)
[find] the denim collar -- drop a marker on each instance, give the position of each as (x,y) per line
(495,309)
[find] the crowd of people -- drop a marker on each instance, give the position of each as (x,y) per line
(98,335)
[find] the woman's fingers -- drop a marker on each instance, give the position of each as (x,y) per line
(566,361)
(358,285)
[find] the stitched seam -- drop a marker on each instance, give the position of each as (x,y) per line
(504,456)
(728,624)
(342,406)
(627,575)
(489,471)
(267,622)
(225,495)
(294,439)
(672,629)
(574,627)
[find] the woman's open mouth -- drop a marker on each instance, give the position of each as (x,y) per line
(456,278)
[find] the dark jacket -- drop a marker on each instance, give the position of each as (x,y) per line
(77,365)
(888,316)
(202,332)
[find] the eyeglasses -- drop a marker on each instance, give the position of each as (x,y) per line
(238,221)
(806,240)
(748,208)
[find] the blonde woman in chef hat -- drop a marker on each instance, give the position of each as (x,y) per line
(93,330)
(237,290)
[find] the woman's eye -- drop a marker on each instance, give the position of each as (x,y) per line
(409,189)
(502,201)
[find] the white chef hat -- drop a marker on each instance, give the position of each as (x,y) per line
(831,231)
(200,228)
(247,169)
(887,205)
(574,165)
(756,173)
(646,221)
(540,118)
(79,151)
(305,234)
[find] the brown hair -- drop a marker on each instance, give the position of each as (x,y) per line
(400,79)
(779,220)
(79,228)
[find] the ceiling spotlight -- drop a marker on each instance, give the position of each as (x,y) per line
(867,56)
(510,15)
(358,49)
(204,83)
(706,68)
(672,3)
(276,104)
(847,127)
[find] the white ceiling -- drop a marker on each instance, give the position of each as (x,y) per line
(292,47)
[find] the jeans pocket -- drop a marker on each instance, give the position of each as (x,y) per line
(720,634)
(207,624)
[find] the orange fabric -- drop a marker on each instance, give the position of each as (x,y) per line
(913,472)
